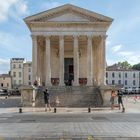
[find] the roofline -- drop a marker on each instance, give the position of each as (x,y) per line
(67,5)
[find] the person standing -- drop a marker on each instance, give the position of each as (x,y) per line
(47,100)
(112,98)
(120,101)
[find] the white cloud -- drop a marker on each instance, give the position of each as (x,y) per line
(116,48)
(17,7)
(4,65)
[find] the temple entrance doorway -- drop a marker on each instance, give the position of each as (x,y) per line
(68,71)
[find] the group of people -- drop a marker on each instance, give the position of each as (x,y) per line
(120,101)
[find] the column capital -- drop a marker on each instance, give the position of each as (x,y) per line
(104,36)
(34,37)
(75,36)
(90,36)
(61,37)
(47,36)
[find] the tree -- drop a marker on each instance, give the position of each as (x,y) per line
(136,66)
(125,65)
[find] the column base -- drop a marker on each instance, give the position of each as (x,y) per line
(89,82)
(61,84)
(75,83)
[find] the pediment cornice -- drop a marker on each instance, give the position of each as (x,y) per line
(68,8)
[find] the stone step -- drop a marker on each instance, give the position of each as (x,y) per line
(72,96)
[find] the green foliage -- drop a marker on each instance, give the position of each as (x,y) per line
(136,66)
(125,65)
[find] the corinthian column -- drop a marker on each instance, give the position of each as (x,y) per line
(76,62)
(48,61)
(103,60)
(34,58)
(89,62)
(61,61)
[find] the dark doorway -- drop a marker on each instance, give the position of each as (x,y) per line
(69,73)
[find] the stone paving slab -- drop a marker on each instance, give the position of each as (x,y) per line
(76,138)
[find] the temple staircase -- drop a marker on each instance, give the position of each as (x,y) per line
(70,96)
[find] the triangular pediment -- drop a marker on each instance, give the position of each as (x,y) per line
(68,13)
(68,17)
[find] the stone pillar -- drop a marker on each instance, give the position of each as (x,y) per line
(39,73)
(34,58)
(61,60)
(48,61)
(103,60)
(76,62)
(89,62)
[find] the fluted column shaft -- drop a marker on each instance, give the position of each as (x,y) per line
(61,60)
(89,62)
(34,58)
(48,61)
(76,61)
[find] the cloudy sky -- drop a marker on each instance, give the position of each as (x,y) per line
(123,42)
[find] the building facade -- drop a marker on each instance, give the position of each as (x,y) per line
(21,72)
(27,73)
(5,81)
(128,78)
(68,45)
(16,70)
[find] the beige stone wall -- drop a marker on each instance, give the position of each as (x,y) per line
(5,82)
(27,73)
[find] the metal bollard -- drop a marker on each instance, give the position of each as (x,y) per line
(89,110)
(55,110)
(20,110)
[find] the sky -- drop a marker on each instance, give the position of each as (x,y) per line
(122,44)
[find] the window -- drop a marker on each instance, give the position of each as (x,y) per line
(3,78)
(14,66)
(19,81)
(29,77)
(125,75)
(113,74)
(1,84)
(29,83)
(19,74)
(113,82)
(106,74)
(106,81)
(14,74)
(19,65)
(119,75)
(134,82)
(7,84)
(29,69)
(125,82)
(14,82)
(119,82)
(134,75)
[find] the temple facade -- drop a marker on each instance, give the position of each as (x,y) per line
(69,46)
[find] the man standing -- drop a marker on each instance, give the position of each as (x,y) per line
(47,100)
(120,95)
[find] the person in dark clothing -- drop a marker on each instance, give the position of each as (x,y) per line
(47,100)
(120,101)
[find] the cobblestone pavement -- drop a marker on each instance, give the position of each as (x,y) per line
(71,123)
(67,126)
